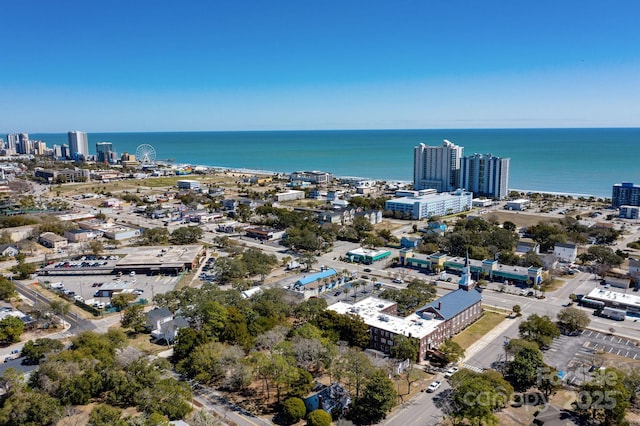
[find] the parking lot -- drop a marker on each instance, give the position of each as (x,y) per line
(88,288)
(576,355)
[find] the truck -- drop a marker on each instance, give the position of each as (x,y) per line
(613,313)
(293,265)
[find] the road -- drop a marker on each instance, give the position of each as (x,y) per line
(76,324)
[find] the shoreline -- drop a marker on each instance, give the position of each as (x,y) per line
(244,171)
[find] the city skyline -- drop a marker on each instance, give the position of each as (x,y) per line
(251,65)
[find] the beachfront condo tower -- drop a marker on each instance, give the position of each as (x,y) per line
(78,145)
(485,175)
(625,194)
(437,167)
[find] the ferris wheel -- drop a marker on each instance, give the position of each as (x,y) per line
(146,154)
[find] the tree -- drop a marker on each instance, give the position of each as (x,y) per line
(539,329)
(34,351)
(7,289)
(517,310)
(106,415)
(523,370)
(451,351)
(572,320)
(10,330)
(378,398)
(23,270)
(155,236)
(319,417)
(356,368)
(477,395)
(186,235)
(122,300)
(96,247)
(404,348)
(293,409)
(604,399)
(134,318)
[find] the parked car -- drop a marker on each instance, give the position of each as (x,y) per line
(450,372)
(367,269)
(434,386)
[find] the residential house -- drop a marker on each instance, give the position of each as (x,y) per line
(566,252)
(163,325)
(8,250)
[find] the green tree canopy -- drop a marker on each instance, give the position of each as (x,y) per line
(378,398)
(34,351)
(319,418)
(539,329)
(293,410)
(7,289)
(451,351)
(11,329)
(572,320)
(523,371)
(404,348)
(186,235)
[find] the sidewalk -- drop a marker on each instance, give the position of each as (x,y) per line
(485,340)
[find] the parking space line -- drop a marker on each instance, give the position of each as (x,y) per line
(627,354)
(619,350)
(610,350)
(634,356)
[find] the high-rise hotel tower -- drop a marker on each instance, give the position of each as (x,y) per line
(437,167)
(78,145)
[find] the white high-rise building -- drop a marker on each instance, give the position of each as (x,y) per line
(78,145)
(437,167)
(485,175)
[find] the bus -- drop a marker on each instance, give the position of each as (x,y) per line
(590,303)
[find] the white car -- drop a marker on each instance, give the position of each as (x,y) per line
(434,386)
(450,372)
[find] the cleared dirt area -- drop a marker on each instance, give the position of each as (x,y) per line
(520,219)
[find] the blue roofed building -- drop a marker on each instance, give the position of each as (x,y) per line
(317,283)
(457,310)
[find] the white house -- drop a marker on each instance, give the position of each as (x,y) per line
(566,252)
(163,325)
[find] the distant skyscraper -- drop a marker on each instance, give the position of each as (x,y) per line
(78,145)
(12,141)
(104,152)
(437,167)
(485,175)
(64,151)
(625,194)
(24,146)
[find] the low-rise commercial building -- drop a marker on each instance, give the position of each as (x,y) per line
(367,256)
(53,241)
(188,184)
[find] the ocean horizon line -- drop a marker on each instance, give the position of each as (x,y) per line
(337,130)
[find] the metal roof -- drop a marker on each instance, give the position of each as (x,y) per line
(451,304)
(317,276)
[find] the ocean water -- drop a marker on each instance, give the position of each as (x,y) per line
(576,161)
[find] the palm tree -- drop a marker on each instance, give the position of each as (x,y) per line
(355,289)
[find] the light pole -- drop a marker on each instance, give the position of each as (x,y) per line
(505,344)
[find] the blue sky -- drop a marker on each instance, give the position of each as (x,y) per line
(260,65)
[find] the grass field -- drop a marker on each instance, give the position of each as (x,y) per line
(475,331)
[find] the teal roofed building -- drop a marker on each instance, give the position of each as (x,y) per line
(366,256)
